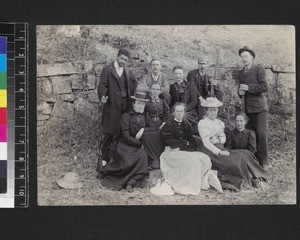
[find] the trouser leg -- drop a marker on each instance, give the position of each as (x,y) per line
(258,123)
(105,148)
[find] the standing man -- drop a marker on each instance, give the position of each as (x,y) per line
(204,84)
(252,87)
(155,76)
(114,90)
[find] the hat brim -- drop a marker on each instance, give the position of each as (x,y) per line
(246,50)
(63,184)
(140,99)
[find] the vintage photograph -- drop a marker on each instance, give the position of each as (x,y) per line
(166,115)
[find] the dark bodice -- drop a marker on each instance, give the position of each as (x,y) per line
(178,135)
(241,140)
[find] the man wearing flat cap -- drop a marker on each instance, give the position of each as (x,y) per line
(203,84)
(253,88)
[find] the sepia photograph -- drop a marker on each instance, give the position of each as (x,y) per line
(166,115)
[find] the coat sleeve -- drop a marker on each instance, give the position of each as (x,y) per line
(169,137)
(191,78)
(261,86)
(251,142)
(125,125)
(193,103)
(103,84)
(205,136)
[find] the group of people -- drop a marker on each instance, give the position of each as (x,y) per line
(152,124)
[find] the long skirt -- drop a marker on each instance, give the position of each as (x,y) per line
(233,171)
(130,167)
(187,172)
(254,168)
(154,146)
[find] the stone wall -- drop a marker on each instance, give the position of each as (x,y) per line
(71,88)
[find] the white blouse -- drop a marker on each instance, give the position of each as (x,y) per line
(211,129)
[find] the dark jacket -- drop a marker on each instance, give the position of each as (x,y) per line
(202,83)
(130,125)
(109,86)
(188,95)
(245,139)
(255,99)
(178,136)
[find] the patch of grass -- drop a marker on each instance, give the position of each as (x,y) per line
(72,146)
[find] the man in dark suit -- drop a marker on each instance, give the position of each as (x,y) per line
(204,84)
(252,88)
(116,86)
(155,76)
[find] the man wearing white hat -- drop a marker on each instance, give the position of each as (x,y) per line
(253,87)
(204,84)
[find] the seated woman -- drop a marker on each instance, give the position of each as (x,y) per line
(157,112)
(244,141)
(186,171)
(129,169)
(232,169)
(185,92)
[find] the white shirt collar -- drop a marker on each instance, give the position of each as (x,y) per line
(177,120)
(118,69)
(155,78)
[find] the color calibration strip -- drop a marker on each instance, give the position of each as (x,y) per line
(16,113)
(3,115)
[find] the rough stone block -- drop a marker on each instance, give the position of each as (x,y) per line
(44,108)
(46,87)
(62,109)
(69,97)
(42,117)
(93,96)
(61,85)
(64,68)
(90,82)
(76,81)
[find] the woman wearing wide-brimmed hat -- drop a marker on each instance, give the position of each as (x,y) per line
(130,166)
(232,168)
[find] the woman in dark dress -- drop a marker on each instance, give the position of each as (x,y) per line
(129,169)
(185,170)
(157,112)
(244,141)
(185,92)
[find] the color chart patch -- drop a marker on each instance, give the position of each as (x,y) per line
(3,115)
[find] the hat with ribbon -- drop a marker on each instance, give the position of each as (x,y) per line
(140,96)
(211,102)
(247,49)
(70,181)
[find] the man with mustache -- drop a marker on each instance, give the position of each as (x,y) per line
(116,86)
(203,84)
(158,77)
(253,87)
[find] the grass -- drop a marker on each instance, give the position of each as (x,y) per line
(72,146)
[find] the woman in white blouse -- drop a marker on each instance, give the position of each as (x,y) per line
(232,169)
